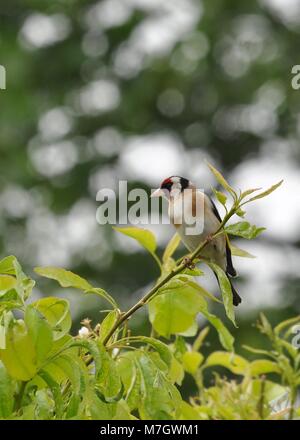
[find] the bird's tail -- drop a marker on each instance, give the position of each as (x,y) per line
(236,299)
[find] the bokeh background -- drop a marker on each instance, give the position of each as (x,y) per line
(99,91)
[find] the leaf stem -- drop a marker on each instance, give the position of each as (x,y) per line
(19,398)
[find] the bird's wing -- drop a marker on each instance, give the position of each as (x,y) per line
(230,269)
(215,211)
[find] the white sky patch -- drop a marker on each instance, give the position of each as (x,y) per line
(40,30)
(264,275)
(151,158)
(16,201)
(55,124)
(108,13)
(259,117)
(154,157)
(186,56)
(249,37)
(99,97)
(287,10)
(58,240)
(108,141)
(54,159)
(165,24)
(157,34)
(280,211)
(104,177)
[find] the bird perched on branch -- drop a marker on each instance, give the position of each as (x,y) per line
(196,218)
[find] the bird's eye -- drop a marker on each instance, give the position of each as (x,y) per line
(167,185)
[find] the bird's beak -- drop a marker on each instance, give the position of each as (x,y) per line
(158,193)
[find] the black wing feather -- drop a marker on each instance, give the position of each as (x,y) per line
(230,269)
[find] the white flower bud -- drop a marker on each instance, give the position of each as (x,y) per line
(83,332)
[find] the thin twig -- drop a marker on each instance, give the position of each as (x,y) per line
(261,402)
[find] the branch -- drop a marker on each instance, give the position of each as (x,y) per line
(181,265)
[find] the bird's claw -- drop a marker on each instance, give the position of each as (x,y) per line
(188,263)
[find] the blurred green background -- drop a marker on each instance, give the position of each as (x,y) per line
(99,91)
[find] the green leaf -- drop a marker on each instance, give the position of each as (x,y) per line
(44,405)
(108,378)
(101,410)
(145,237)
(244,229)
(225,336)
(238,252)
(287,323)
(293,351)
(40,333)
(19,356)
(171,247)
(266,193)
(188,412)
(221,179)
(131,378)
(159,398)
(248,192)
(2,337)
(6,393)
(195,272)
(175,308)
(263,366)
(241,213)
(221,197)
(198,342)
(203,291)
(28,412)
(236,364)
(69,366)
(107,323)
(162,349)
(103,294)
(60,345)
(5,319)
(176,372)
(191,361)
(7,265)
(7,282)
(91,347)
(24,284)
(65,277)
(271,390)
(57,313)
(259,351)
(226,291)
(56,392)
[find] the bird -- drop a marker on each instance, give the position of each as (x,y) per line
(189,206)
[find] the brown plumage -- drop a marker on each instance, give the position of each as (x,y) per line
(186,207)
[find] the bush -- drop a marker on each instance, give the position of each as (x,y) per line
(104,373)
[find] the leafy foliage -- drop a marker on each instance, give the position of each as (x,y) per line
(106,373)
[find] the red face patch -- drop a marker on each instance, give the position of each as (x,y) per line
(166,182)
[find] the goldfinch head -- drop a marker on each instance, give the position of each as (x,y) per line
(172,186)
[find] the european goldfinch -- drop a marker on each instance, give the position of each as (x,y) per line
(188,206)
